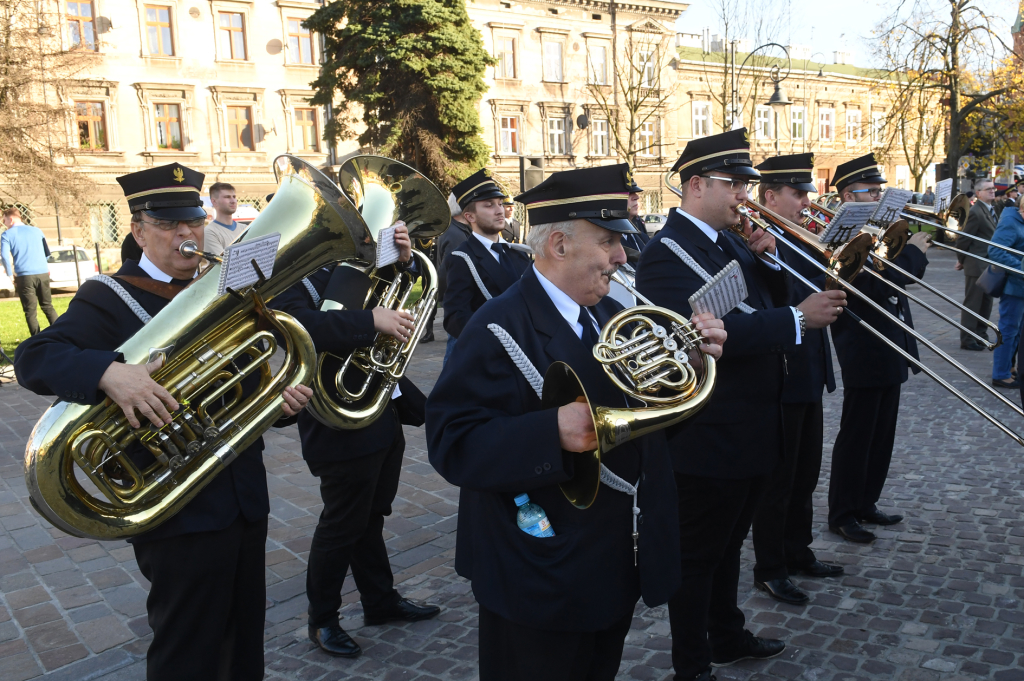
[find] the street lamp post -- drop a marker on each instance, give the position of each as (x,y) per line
(821,74)
(778,99)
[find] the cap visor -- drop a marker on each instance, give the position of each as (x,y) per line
(179,213)
(620,225)
(745,171)
(805,187)
(490,194)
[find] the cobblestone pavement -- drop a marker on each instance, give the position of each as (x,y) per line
(936,597)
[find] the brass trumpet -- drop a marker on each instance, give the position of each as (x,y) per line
(351,392)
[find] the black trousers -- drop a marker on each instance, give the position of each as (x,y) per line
(206,603)
(862,452)
(516,652)
(976,300)
(714,519)
(30,288)
(357,496)
(783,520)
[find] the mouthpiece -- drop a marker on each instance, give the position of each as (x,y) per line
(188,249)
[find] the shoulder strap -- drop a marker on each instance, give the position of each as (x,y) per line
(476,275)
(312,291)
(165,290)
(132,304)
(698,270)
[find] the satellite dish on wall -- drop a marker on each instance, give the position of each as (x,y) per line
(582,121)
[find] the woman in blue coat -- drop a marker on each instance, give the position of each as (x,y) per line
(1009,232)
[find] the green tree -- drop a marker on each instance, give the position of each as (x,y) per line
(415,70)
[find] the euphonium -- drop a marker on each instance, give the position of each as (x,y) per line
(352,391)
(78,470)
(653,355)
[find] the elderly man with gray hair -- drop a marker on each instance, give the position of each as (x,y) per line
(981,222)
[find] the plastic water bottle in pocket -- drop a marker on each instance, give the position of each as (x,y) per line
(532,519)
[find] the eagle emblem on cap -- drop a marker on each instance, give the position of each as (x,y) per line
(746,137)
(486,173)
(812,161)
(628,176)
(179,175)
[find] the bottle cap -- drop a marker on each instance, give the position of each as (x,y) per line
(522,499)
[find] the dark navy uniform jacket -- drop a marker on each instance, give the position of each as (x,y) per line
(68,358)
(463,297)
(339,332)
(867,362)
(738,434)
(640,239)
(809,365)
(487,433)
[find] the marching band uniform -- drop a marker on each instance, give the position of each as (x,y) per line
(723,455)
(513,229)
(640,238)
(495,265)
(358,471)
(554,607)
(205,565)
(783,521)
(872,376)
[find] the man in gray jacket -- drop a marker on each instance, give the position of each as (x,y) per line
(981,222)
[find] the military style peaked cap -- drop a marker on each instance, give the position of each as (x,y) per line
(634,188)
(168,192)
(728,152)
(863,169)
(599,195)
(477,187)
(796,170)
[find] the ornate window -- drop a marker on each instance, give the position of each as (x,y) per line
(231,35)
(300,42)
(159,34)
(81,25)
(92,126)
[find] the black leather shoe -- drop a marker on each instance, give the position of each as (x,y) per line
(783,591)
(1006,384)
(879,518)
(854,532)
(750,647)
(972,345)
(334,640)
(705,675)
(817,569)
(428,337)
(402,611)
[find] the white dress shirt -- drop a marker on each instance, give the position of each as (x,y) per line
(566,306)
(153,271)
(488,244)
(713,235)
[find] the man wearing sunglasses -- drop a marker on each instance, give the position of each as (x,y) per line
(872,375)
(205,565)
(722,456)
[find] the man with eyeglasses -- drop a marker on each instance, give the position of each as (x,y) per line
(872,375)
(722,457)
(981,222)
(205,565)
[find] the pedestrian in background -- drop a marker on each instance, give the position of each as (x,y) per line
(981,222)
(1009,233)
(30,270)
(222,231)
(929,197)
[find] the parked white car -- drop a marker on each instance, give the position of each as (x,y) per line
(62,267)
(654,222)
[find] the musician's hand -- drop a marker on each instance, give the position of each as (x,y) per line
(403,242)
(295,399)
(922,240)
(713,331)
(822,308)
(958,265)
(758,239)
(576,428)
(131,388)
(393,322)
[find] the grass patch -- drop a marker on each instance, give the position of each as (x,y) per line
(14,329)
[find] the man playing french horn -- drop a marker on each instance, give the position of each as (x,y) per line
(555,607)
(358,468)
(206,564)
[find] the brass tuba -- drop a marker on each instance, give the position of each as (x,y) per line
(78,471)
(352,391)
(652,354)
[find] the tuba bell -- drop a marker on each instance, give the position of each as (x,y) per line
(78,469)
(653,355)
(352,391)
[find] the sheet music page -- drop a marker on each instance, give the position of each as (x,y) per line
(387,251)
(723,293)
(943,194)
(237,272)
(847,221)
(890,204)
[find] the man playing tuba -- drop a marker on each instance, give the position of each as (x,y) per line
(553,607)
(206,564)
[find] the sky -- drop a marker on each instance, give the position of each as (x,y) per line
(842,26)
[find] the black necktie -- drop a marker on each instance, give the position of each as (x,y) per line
(726,246)
(589,337)
(505,260)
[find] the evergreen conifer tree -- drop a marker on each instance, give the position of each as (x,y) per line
(415,68)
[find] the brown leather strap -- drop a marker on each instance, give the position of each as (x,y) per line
(163,289)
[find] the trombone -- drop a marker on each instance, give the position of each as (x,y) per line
(889,243)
